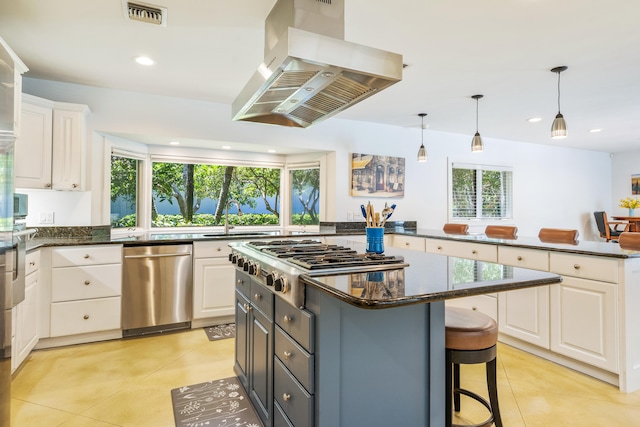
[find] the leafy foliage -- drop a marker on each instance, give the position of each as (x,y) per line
(305,185)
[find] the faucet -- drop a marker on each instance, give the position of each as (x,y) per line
(226,215)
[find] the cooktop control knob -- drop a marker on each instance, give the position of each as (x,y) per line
(246,265)
(231,256)
(241,261)
(271,278)
(254,269)
(281,285)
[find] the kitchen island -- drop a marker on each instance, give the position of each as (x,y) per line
(372,348)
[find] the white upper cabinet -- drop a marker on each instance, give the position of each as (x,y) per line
(51,150)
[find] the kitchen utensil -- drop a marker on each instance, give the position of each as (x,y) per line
(364,212)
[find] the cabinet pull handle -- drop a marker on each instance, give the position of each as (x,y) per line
(576,266)
(32,263)
(286,397)
(474,252)
(218,249)
(406,243)
(257,297)
(239,282)
(287,319)
(519,258)
(86,256)
(474,308)
(47,185)
(87,282)
(439,248)
(86,317)
(287,355)
(74,185)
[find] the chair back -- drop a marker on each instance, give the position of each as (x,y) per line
(450,228)
(601,222)
(630,241)
(501,231)
(558,235)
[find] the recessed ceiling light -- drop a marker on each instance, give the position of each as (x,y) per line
(534,119)
(271,151)
(226,147)
(174,142)
(595,130)
(144,60)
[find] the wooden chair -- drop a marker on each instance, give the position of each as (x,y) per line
(501,231)
(451,228)
(558,235)
(604,226)
(630,241)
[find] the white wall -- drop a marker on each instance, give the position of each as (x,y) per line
(554,187)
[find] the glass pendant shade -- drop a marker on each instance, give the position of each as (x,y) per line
(559,127)
(476,144)
(422,152)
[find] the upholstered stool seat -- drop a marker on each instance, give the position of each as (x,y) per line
(471,338)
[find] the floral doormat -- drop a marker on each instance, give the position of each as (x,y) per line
(219,403)
(221,332)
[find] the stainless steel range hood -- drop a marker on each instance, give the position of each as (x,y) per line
(310,72)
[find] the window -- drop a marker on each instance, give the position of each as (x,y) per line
(481,192)
(124,191)
(305,196)
(191,194)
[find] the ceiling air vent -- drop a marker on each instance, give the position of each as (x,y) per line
(145,13)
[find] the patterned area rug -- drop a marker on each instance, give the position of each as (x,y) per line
(219,403)
(221,332)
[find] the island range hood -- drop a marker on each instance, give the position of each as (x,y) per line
(310,72)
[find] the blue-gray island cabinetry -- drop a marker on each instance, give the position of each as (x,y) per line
(364,348)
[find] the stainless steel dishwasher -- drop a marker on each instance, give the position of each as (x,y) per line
(157,289)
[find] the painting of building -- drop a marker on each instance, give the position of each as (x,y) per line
(377,176)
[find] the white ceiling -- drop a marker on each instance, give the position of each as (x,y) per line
(502,49)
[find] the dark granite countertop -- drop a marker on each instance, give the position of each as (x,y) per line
(428,278)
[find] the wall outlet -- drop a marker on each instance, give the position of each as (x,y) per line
(46,217)
(349,216)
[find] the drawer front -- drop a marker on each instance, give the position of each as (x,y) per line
(32,262)
(79,317)
(215,249)
(487,304)
(279,418)
(86,255)
(526,258)
(409,242)
(295,358)
(475,251)
(294,400)
(299,324)
(243,283)
(585,267)
(262,298)
(94,281)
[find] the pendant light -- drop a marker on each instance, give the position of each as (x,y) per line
(476,142)
(422,152)
(559,126)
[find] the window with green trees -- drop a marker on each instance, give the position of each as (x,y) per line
(124,191)
(481,192)
(305,196)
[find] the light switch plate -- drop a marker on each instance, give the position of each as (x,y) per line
(46,217)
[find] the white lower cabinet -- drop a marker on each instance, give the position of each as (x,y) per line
(486,304)
(213,280)
(584,321)
(26,313)
(524,314)
(477,251)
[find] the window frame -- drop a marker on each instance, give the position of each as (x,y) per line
(141,158)
(478,219)
(293,166)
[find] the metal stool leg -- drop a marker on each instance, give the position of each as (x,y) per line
(456,387)
(492,385)
(449,394)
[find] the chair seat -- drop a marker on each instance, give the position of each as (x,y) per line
(469,330)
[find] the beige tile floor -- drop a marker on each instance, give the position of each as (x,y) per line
(128,383)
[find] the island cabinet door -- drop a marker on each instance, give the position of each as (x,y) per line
(524,314)
(261,365)
(584,321)
(242,339)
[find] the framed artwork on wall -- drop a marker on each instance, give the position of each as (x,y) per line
(377,176)
(635,184)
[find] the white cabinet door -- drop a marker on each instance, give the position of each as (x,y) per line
(524,314)
(68,150)
(584,321)
(32,158)
(213,288)
(409,242)
(84,316)
(27,319)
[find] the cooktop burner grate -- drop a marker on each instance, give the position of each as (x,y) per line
(318,249)
(341,260)
(266,243)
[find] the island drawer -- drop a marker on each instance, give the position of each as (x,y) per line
(32,262)
(477,251)
(294,400)
(526,258)
(77,283)
(299,324)
(486,304)
(409,242)
(243,283)
(585,267)
(262,298)
(295,358)
(279,417)
(79,317)
(86,255)
(214,249)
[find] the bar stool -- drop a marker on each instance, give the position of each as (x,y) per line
(452,228)
(471,338)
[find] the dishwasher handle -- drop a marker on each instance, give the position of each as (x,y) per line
(156,255)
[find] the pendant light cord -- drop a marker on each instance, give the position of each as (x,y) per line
(477,100)
(558,92)
(422,139)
